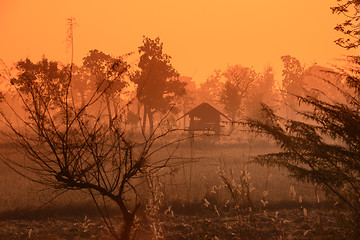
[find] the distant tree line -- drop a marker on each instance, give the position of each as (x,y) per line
(155,87)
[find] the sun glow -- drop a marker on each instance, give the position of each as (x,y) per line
(200,36)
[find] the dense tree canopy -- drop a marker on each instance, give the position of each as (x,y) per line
(158,85)
(209,90)
(237,83)
(262,90)
(292,78)
(323,147)
(108,73)
(106,70)
(50,75)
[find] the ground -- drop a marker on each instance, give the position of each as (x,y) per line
(27,211)
(281,224)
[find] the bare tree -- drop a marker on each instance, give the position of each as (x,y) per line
(72,147)
(238,81)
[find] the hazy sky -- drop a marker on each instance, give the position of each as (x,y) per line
(199,35)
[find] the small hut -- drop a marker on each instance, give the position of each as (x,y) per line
(204,117)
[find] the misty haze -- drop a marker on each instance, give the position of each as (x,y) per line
(179,120)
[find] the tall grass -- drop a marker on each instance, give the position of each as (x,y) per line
(184,185)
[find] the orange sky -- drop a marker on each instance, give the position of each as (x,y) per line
(199,35)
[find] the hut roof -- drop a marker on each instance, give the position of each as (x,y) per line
(204,108)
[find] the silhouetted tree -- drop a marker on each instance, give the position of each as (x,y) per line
(189,97)
(350,27)
(5,73)
(157,81)
(262,90)
(82,83)
(292,82)
(132,118)
(237,82)
(68,150)
(108,73)
(53,79)
(313,79)
(324,147)
(209,90)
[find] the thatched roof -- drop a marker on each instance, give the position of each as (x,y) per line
(204,108)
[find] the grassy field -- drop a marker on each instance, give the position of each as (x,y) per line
(194,191)
(282,224)
(190,182)
(196,180)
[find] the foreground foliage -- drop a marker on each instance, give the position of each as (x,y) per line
(323,146)
(282,224)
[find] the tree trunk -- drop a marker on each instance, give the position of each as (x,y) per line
(151,121)
(128,217)
(82,95)
(184,111)
(115,108)
(138,115)
(107,98)
(127,227)
(356,233)
(144,119)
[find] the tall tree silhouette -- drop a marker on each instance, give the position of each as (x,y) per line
(157,81)
(238,80)
(292,82)
(263,90)
(209,90)
(108,73)
(45,76)
(53,77)
(82,83)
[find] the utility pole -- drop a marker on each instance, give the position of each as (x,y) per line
(70,37)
